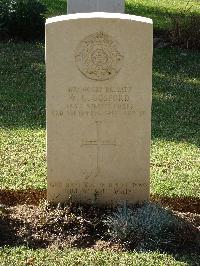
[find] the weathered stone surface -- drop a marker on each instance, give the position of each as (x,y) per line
(99,87)
(87,6)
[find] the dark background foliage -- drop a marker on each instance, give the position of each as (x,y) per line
(22,20)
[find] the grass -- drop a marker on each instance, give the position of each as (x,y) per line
(24,256)
(159,11)
(175,125)
(22,116)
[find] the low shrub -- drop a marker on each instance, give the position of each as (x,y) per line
(185,28)
(147,226)
(22,19)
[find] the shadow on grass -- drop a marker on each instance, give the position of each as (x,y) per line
(176,91)
(22,83)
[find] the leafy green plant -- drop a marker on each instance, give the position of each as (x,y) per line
(22,19)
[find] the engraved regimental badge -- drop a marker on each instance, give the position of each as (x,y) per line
(98,57)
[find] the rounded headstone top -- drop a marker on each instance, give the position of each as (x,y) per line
(98,15)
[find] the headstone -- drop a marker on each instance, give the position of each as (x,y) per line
(86,6)
(99,89)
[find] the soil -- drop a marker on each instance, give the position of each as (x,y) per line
(34,197)
(26,222)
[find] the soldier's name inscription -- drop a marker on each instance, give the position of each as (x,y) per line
(98,101)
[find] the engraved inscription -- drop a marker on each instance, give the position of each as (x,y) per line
(99,57)
(97,101)
(99,142)
(102,188)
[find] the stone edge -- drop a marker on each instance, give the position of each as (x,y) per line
(99,15)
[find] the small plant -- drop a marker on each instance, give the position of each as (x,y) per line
(22,19)
(56,217)
(148,226)
(120,223)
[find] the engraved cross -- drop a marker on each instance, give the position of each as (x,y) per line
(98,143)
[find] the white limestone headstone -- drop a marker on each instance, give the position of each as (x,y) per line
(87,6)
(99,89)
